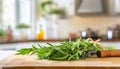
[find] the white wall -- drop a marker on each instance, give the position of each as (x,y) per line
(78,23)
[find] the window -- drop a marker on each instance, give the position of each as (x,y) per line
(0,13)
(17,11)
(8,12)
(25,11)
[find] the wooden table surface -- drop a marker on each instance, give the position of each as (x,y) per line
(31,62)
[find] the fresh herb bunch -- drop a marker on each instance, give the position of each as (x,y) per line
(65,50)
(2,33)
(59,11)
(22,26)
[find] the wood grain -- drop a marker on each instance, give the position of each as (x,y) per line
(31,62)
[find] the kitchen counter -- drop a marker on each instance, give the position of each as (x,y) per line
(31,62)
(59,40)
(28,44)
(4,54)
(24,41)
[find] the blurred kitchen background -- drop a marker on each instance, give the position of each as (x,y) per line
(25,22)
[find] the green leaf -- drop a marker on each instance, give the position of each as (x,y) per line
(49,44)
(24,51)
(40,46)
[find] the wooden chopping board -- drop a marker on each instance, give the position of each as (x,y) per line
(31,62)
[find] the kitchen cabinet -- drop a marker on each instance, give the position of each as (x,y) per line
(97,7)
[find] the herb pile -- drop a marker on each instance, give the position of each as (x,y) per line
(65,51)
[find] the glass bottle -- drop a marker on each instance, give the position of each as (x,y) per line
(40,34)
(110,33)
(9,35)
